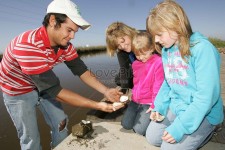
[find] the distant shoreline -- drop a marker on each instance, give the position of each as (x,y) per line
(83,50)
(90,49)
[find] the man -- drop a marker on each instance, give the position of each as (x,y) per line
(27,79)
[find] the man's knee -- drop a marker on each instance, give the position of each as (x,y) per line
(62,125)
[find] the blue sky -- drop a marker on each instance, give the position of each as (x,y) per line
(17,16)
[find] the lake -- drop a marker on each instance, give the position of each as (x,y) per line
(101,64)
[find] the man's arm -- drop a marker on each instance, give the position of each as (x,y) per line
(78,67)
(111,94)
(48,84)
(75,99)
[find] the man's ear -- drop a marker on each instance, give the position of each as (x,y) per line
(52,21)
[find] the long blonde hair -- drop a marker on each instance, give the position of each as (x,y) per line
(117,30)
(170,16)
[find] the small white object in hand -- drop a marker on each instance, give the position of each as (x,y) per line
(123,98)
(116,104)
(159,118)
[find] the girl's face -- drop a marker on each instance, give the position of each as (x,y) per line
(143,57)
(166,38)
(124,43)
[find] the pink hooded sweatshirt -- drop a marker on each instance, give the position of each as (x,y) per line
(147,79)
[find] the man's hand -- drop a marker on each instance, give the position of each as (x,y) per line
(113,94)
(118,105)
(168,138)
(106,107)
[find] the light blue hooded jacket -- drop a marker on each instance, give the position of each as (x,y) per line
(191,90)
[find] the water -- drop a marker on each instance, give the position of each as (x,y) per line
(103,66)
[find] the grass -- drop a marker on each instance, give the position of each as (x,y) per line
(217,42)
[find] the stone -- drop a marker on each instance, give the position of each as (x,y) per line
(82,128)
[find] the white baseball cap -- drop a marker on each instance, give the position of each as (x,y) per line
(70,9)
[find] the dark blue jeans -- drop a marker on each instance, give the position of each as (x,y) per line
(136,118)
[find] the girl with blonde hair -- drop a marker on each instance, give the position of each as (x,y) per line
(118,40)
(190,96)
(148,77)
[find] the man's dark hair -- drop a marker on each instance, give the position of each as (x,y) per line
(60,18)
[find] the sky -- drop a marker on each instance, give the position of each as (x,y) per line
(17,16)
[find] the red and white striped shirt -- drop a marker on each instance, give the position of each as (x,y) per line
(28,54)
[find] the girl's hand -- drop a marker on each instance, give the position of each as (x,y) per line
(168,138)
(156,116)
(149,110)
(153,116)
